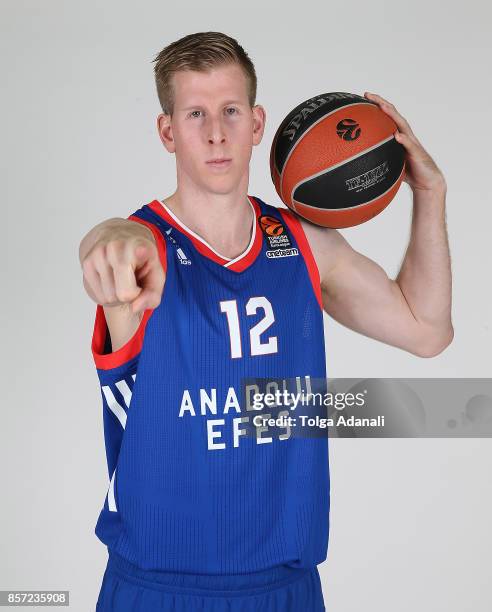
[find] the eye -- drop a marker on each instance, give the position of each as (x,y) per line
(196,111)
(232,108)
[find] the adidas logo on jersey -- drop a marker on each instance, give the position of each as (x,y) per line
(182,257)
(179,251)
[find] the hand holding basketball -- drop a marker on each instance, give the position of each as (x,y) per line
(123,266)
(421,171)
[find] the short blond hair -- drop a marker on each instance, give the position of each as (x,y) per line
(201,51)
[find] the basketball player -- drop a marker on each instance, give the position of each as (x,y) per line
(198,515)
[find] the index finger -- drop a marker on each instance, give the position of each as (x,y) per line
(124,261)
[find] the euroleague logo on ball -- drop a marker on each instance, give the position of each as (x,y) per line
(348,129)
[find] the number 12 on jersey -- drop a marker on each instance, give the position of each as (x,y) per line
(257,347)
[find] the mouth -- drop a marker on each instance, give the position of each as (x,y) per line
(219,162)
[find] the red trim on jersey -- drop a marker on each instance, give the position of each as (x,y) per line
(239,264)
(128,351)
(294,224)
(134,345)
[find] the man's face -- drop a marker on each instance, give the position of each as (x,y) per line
(212,119)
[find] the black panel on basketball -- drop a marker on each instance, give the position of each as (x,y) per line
(353,183)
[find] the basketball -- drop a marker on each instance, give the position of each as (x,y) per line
(335,161)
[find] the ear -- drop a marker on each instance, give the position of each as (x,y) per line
(259,120)
(166,132)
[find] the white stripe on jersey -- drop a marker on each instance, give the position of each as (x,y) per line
(120,414)
(113,405)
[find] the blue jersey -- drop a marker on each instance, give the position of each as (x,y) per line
(188,491)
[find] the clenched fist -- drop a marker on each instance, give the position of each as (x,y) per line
(121,265)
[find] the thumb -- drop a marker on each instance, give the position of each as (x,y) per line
(147,299)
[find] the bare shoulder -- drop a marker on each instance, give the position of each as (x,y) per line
(327,245)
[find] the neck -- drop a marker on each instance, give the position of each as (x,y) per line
(225,221)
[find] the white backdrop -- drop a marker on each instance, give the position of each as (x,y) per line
(410,519)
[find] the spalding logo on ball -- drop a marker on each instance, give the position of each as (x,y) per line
(335,161)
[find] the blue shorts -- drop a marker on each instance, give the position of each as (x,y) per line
(127,588)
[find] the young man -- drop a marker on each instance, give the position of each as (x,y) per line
(199,516)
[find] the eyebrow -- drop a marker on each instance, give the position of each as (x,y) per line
(225,104)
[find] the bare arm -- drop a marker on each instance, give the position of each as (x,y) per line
(411,312)
(122,272)
(425,275)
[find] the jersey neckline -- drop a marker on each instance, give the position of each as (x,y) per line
(237,264)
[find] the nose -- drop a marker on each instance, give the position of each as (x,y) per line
(216,131)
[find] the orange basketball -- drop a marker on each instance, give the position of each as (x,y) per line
(335,161)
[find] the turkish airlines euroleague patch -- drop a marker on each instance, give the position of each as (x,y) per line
(277,237)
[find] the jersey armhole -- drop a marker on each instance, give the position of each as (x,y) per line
(107,361)
(294,224)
